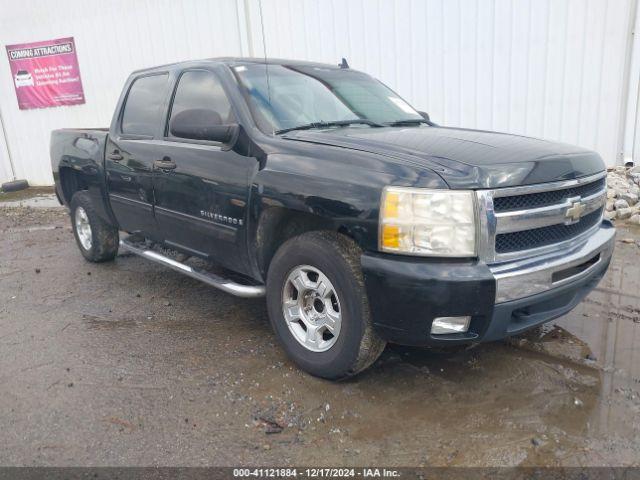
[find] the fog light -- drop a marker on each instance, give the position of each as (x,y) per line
(443,325)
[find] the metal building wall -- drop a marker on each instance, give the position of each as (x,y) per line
(113,37)
(5,164)
(546,68)
(557,69)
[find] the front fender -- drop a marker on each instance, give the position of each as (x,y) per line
(332,188)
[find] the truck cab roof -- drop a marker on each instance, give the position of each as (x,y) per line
(234,61)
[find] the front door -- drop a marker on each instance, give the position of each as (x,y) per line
(201,199)
(130,154)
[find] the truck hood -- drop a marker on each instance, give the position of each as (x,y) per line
(465,159)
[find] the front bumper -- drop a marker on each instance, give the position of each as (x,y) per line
(407,293)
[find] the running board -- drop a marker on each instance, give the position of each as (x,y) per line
(237,289)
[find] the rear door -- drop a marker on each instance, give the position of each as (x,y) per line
(201,202)
(131,151)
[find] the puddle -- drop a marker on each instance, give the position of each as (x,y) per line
(608,321)
(39,201)
(605,330)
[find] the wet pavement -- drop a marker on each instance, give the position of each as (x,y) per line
(129,363)
(35,197)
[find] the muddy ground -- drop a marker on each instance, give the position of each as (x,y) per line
(129,363)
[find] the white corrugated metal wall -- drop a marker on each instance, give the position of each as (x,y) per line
(558,69)
(5,164)
(546,68)
(113,37)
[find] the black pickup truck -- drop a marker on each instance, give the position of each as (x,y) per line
(360,220)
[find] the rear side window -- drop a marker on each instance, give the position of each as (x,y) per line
(142,108)
(199,89)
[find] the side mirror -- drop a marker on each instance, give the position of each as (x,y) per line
(425,115)
(202,124)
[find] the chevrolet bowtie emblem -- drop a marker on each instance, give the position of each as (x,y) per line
(575,211)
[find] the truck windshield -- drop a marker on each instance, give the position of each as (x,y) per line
(292,97)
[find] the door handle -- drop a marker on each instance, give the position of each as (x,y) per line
(115,156)
(165,164)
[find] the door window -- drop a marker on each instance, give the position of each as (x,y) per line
(201,90)
(142,108)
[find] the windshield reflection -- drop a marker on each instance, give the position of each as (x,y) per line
(283,97)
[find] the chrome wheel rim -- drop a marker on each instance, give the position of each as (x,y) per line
(83,228)
(311,308)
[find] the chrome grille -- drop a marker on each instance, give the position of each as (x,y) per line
(540,237)
(541,199)
(520,222)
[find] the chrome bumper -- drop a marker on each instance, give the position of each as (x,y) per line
(520,279)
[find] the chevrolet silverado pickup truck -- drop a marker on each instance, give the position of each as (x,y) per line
(360,220)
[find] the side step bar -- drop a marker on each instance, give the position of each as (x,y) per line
(237,289)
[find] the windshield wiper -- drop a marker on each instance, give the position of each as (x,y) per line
(408,121)
(336,123)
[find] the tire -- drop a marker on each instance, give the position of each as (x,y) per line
(103,237)
(332,260)
(14,186)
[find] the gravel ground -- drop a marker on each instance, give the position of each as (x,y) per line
(129,363)
(623,195)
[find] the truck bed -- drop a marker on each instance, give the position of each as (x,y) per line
(75,147)
(78,155)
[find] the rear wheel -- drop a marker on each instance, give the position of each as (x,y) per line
(318,306)
(96,239)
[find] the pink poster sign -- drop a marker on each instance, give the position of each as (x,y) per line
(46,74)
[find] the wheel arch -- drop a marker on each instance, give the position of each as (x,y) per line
(276,225)
(71,181)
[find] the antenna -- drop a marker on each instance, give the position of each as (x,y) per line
(344,63)
(264,49)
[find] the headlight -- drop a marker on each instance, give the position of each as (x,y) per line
(417,221)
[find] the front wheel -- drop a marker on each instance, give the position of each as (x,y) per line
(96,239)
(318,306)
